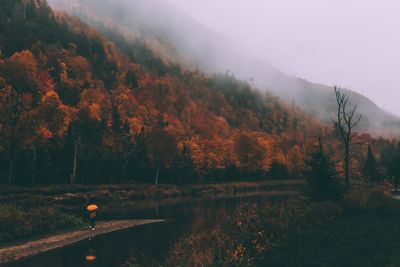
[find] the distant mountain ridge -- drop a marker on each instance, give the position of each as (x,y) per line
(177,38)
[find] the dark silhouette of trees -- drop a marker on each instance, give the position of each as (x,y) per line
(345,123)
(370,169)
(183,169)
(14,125)
(322,176)
(278,171)
(162,151)
(393,166)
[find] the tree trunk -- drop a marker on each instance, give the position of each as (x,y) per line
(34,156)
(157,176)
(347,165)
(125,167)
(74,164)
(11,169)
(24,4)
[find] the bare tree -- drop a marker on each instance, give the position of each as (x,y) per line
(345,124)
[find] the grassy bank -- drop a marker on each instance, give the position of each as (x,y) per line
(21,219)
(18,225)
(367,235)
(138,195)
(360,230)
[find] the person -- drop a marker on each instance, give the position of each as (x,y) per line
(92,215)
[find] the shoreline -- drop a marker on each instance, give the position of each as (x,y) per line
(73,196)
(29,249)
(70,199)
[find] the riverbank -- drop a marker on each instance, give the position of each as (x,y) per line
(361,235)
(140,196)
(30,213)
(358,230)
(20,225)
(18,252)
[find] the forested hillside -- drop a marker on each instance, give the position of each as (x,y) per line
(175,37)
(75,108)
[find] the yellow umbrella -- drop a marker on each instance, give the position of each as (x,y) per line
(92,207)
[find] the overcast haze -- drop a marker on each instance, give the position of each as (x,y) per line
(352,43)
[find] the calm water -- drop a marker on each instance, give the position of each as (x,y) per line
(153,241)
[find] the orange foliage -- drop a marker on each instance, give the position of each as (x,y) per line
(44,132)
(222,120)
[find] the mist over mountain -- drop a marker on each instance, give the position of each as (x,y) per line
(76,106)
(116,109)
(177,38)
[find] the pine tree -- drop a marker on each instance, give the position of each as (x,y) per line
(394,167)
(370,167)
(322,176)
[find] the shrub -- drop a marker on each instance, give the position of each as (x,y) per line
(244,238)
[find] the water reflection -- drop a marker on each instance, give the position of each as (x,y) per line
(147,241)
(91,254)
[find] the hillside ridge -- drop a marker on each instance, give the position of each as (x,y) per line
(195,46)
(75,107)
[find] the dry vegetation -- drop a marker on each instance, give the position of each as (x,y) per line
(359,230)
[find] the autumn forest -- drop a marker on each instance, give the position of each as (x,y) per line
(76,108)
(111,124)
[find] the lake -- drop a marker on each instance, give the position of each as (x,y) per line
(151,241)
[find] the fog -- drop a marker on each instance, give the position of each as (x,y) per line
(294,50)
(353,43)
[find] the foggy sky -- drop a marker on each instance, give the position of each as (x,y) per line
(352,43)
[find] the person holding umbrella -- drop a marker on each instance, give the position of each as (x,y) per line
(92,208)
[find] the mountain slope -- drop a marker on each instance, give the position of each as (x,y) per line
(74,107)
(177,38)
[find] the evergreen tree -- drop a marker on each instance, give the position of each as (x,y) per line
(231,172)
(394,167)
(278,170)
(371,168)
(322,176)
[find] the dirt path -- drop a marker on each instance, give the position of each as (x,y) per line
(57,241)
